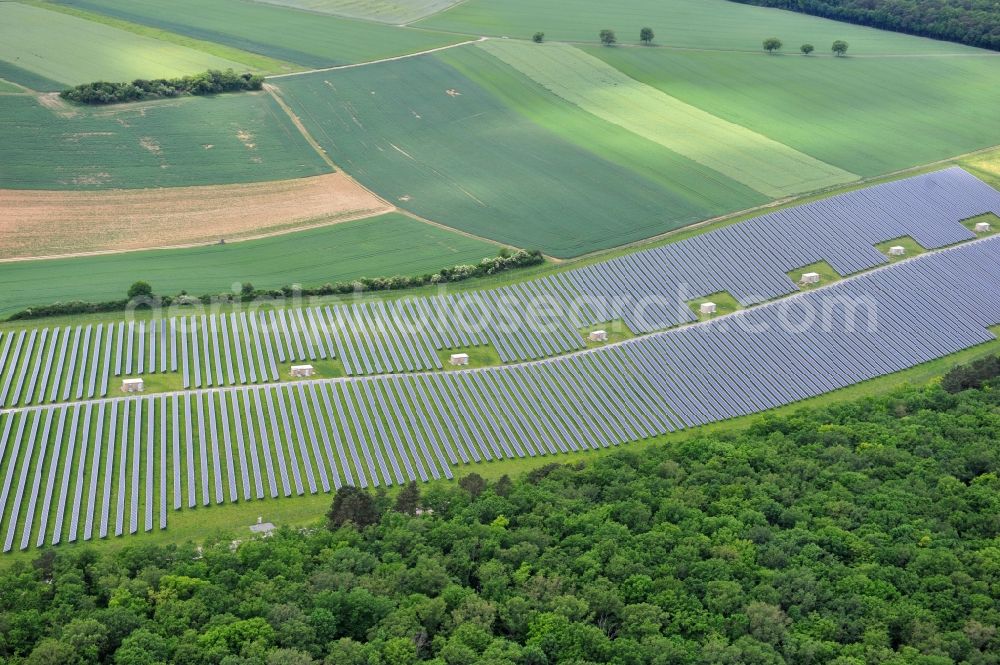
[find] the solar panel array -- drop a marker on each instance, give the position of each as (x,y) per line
(749,260)
(541,318)
(115,466)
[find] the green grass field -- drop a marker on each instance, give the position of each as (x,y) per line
(190,141)
(911,246)
(21,76)
(724,303)
(691,191)
(435,142)
(425,136)
(8,87)
(617,331)
(250,61)
(50,44)
(381,246)
(703,24)
(865,115)
(306,38)
(752,159)
(827,275)
(386,11)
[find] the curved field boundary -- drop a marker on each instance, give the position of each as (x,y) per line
(649,290)
(204,448)
(753,159)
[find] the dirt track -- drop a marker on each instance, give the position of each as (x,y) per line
(55,223)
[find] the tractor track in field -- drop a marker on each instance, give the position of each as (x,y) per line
(311,140)
(380,60)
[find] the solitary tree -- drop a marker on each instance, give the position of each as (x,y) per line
(352,505)
(608,37)
(140,289)
(538,37)
(646,36)
(772,44)
(840,47)
(807,49)
(473,483)
(408,499)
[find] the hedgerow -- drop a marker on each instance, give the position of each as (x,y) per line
(505,261)
(211,82)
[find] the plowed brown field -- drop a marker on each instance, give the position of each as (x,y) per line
(50,223)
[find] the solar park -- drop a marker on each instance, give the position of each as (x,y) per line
(80,462)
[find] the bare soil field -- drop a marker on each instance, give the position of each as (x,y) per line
(58,223)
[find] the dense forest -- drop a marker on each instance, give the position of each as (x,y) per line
(973,22)
(866,532)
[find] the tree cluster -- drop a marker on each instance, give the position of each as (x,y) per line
(609,38)
(859,533)
(773,45)
(974,375)
(208,83)
(504,261)
(973,22)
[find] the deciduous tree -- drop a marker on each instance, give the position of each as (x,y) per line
(354,506)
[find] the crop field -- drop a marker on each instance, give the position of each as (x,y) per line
(426,137)
(750,158)
(387,11)
(49,44)
(45,144)
(380,246)
(8,87)
(859,114)
(698,24)
(12,72)
(306,38)
(50,223)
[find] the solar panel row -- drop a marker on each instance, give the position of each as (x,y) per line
(648,289)
(374,431)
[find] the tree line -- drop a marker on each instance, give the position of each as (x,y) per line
(864,532)
(972,22)
(211,82)
(773,45)
(142,291)
(608,37)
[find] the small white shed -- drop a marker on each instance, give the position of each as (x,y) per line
(708,308)
(263,528)
(982,227)
(598,336)
(459,359)
(133,385)
(302,371)
(897,250)
(809,278)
